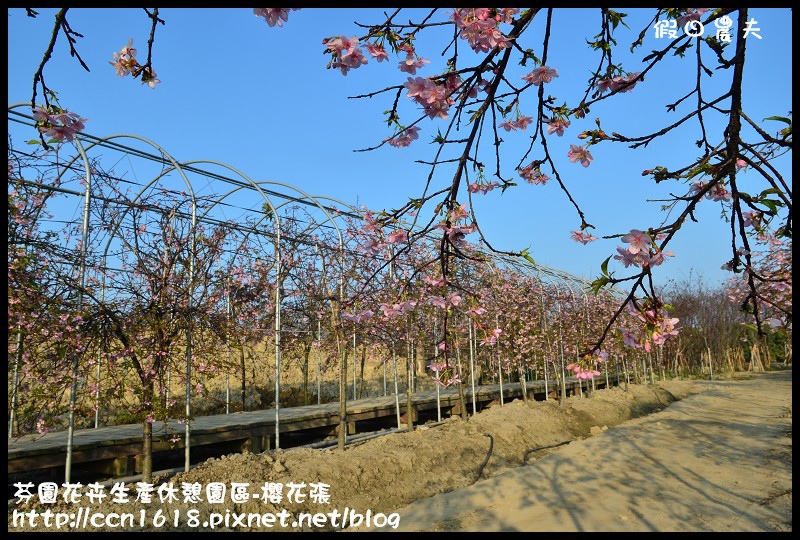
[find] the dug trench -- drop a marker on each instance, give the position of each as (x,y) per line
(377,475)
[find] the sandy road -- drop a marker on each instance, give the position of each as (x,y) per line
(716,461)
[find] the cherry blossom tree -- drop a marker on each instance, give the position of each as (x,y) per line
(420,270)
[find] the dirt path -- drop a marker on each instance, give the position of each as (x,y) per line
(675,456)
(720,460)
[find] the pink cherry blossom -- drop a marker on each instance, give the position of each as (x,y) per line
(397,237)
(603,85)
(149,77)
(618,83)
(58,125)
(541,74)
(419,86)
(639,241)
(627,258)
(479,30)
(582,237)
(557,126)
(697,186)
(533,175)
(476,311)
(124,63)
(692,14)
(405,138)
(522,122)
(482,188)
(751,219)
(579,154)
(388,311)
(719,193)
(658,257)
(491,337)
(457,213)
(274,16)
(456,234)
(439,302)
(377,51)
(624,84)
(437,367)
(412,63)
(350,60)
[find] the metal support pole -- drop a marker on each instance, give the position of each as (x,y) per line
(17,358)
(499,362)
(355,368)
(546,391)
(73,393)
(396,390)
(319,361)
(472,368)
(435,359)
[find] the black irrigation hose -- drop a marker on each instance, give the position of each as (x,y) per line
(488,455)
(532,450)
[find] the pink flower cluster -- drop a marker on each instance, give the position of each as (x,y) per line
(533,175)
(521,123)
(455,233)
(444,303)
(491,337)
(345,53)
(443,374)
(692,14)
(412,62)
(751,219)
(358,318)
(541,74)
(274,16)
(125,63)
(641,252)
(58,124)
(557,126)
(404,138)
(483,189)
(476,311)
(654,329)
(717,193)
(582,237)
(478,26)
(434,98)
(619,83)
(398,308)
(437,367)
(583,372)
(586,368)
(579,154)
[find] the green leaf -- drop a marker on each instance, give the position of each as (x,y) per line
(769,203)
(604,266)
(524,253)
(598,284)
(32,141)
(506,185)
(780,118)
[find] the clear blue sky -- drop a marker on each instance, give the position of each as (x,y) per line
(260,99)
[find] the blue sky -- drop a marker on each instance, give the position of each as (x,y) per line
(260,99)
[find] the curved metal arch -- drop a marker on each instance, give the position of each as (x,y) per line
(277,284)
(82,283)
(342,395)
(187,433)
